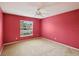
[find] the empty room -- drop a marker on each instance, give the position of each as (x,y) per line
(39,28)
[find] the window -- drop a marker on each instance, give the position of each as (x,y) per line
(26,28)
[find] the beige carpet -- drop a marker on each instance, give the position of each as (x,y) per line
(38,47)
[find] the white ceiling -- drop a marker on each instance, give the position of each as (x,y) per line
(29,8)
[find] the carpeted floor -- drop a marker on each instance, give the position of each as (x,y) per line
(38,47)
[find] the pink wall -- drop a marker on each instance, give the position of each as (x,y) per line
(12,27)
(62,28)
(1,29)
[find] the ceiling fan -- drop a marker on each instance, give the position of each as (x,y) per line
(38,12)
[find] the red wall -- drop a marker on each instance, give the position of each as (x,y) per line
(1,29)
(62,28)
(12,27)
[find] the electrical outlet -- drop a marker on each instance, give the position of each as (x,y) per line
(54,37)
(16,38)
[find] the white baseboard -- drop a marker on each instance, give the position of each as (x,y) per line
(63,44)
(16,41)
(11,43)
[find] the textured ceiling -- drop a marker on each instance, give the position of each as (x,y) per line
(29,8)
